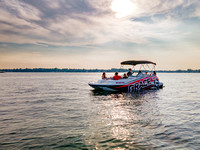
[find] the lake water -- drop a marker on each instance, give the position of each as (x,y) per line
(60,111)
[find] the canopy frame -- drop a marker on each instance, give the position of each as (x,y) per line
(143,64)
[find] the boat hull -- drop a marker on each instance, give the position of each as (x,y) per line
(107,87)
(130,85)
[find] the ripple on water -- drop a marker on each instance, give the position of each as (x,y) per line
(52,111)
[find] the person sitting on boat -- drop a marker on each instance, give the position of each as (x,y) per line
(125,76)
(140,73)
(104,75)
(154,73)
(129,73)
(117,77)
(146,73)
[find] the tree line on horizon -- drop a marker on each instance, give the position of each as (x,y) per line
(87,70)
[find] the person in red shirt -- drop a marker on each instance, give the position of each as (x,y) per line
(117,77)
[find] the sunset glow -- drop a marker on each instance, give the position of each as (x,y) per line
(122,8)
(99,34)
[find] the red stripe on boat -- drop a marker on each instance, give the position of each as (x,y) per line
(132,82)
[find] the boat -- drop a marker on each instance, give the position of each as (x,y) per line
(138,81)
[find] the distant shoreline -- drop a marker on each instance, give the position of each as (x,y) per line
(90,70)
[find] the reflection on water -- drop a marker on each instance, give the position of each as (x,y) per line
(126,119)
(60,111)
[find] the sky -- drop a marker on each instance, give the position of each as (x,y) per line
(99,33)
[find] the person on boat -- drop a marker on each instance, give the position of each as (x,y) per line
(154,73)
(104,75)
(116,76)
(140,73)
(129,73)
(125,76)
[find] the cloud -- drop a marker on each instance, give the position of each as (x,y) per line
(91,22)
(21,10)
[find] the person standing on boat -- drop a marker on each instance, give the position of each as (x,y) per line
(117,77)
(129,73)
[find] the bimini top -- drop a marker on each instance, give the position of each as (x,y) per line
(136,62)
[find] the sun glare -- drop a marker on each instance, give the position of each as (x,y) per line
(122,8)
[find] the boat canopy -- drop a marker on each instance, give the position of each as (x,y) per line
(136,62)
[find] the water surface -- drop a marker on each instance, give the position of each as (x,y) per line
(60,111)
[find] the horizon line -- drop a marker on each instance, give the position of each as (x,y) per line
(97,69)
